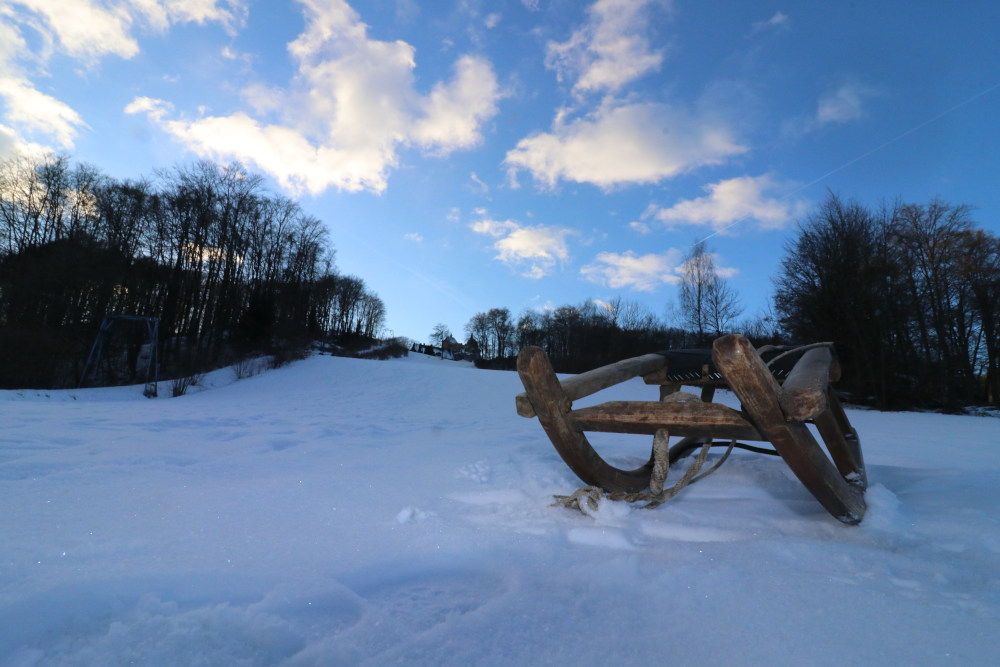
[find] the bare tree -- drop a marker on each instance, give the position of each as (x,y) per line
(502,330)
(981,268)
(204,248)
(478,328)
(708,304)
(439,334)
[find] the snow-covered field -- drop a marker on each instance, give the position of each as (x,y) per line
(340,511)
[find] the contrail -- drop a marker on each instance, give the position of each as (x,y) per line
(915,128)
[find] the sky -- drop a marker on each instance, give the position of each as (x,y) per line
(526,154)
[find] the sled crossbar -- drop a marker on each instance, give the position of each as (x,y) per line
(781,392)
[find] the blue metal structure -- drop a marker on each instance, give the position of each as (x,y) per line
(97,349)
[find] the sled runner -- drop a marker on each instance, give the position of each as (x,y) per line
(781,391)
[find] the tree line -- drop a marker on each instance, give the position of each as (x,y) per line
(225,265)
(908,293)
(580,337)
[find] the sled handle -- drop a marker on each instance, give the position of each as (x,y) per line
(591,382)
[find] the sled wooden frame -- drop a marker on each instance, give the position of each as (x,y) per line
(772,411)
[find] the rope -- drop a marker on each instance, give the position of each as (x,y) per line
(587,499)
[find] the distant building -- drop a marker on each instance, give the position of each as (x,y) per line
(449,344)
(450,349)
(471,348)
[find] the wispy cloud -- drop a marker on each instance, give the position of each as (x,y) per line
(161,14)
(843,103)
(728,202)
(778,20)
(481,186)
(623,144)
(534,251)
(349,110)
(609,51)
(643,273)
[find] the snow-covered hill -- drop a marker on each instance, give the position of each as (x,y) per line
(341,511)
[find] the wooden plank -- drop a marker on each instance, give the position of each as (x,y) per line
(668,389)
(523,405)
(548,399)
(759,394)
(842,441)
(803,394)
(579,386)
(647,417)
(591,382)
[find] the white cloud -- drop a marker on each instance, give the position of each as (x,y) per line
(351,107)
(454,112)
(8,142)
(643,273)
(731,201)
(494,228)
(12,43)
(89,30)
(154,108)
(609,51)
(35,112)
(624,144)
(843,104)
(534,250)
(414,236)
(86,30)
(689,267)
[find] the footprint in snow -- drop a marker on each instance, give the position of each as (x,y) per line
(412,514)
(421,600)
(477,472)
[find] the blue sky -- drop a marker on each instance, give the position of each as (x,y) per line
(526,153)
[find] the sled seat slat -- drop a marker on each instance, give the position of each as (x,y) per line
(694,419)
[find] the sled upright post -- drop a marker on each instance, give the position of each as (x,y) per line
(781,391)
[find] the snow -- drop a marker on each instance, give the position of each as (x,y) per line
(340,512)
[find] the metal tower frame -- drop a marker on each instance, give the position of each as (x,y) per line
(152,331)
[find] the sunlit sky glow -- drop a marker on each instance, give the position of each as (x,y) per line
(526,153)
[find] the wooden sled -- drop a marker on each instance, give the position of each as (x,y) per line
(778,403)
